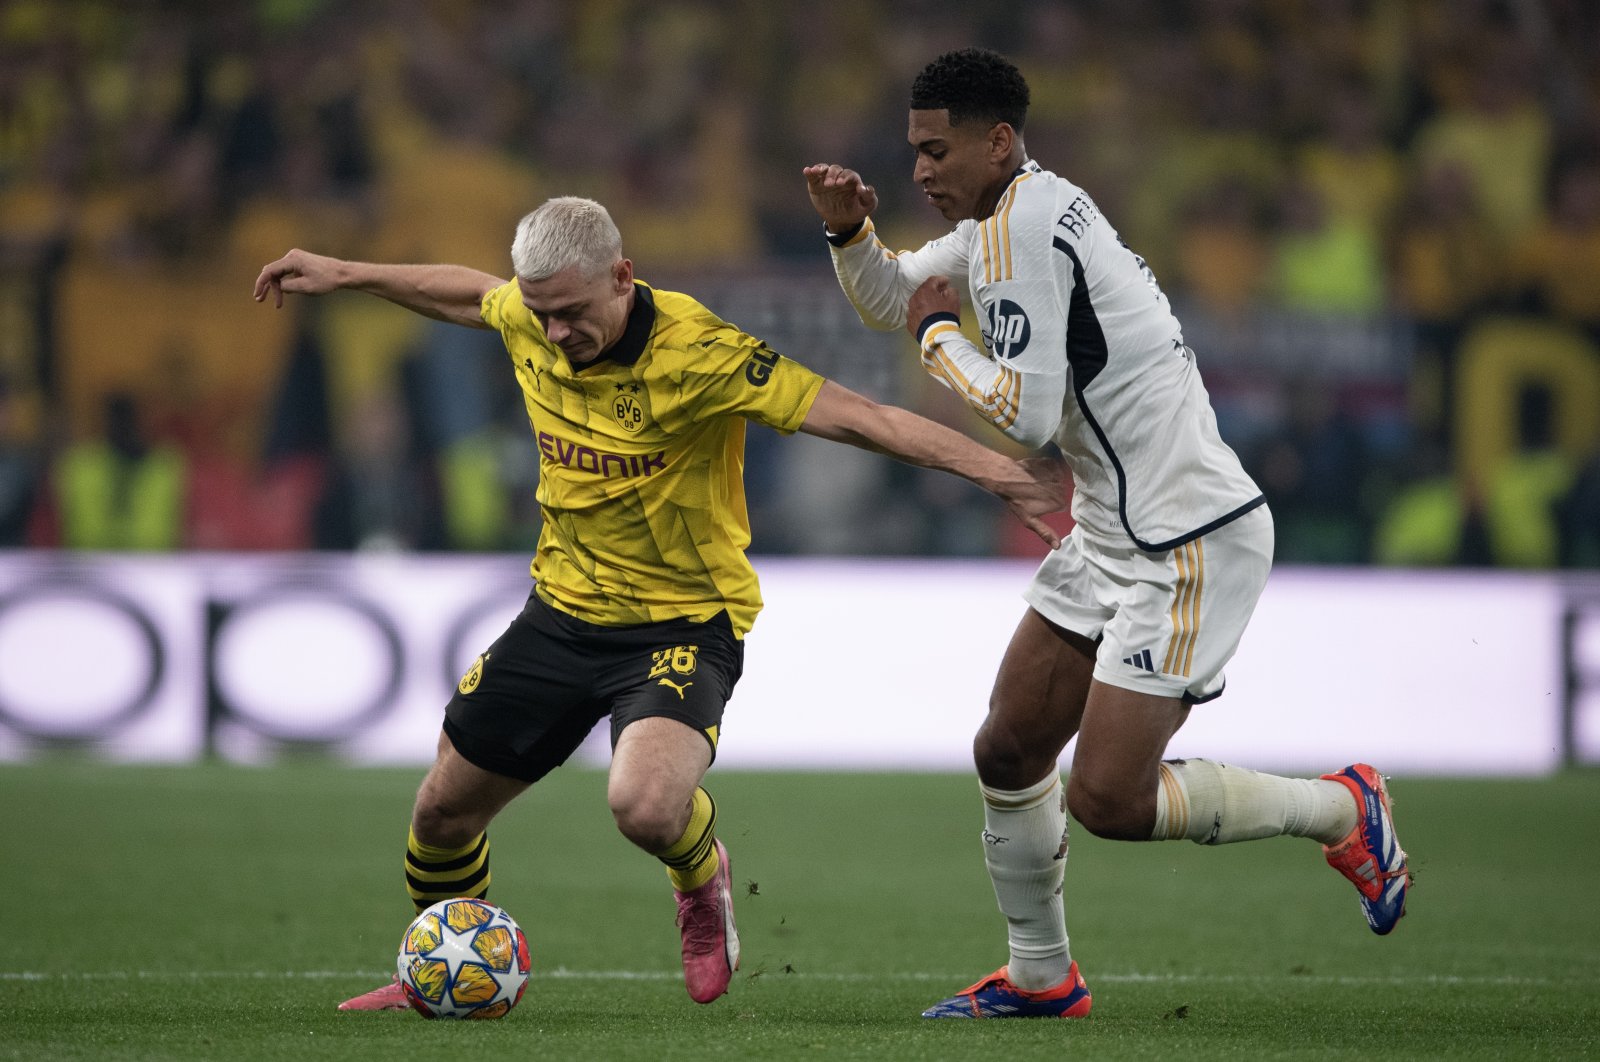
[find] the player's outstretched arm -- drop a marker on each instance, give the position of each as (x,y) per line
(876,282)
(444,292)
(1031,487)
(842,199)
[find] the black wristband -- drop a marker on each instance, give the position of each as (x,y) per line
(933,319)
(839,239)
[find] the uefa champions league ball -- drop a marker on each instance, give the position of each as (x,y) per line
(463,959)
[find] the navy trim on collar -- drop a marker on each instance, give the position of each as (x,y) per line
(636,336)
(1028,166)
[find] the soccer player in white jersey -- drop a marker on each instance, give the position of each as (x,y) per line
(1131,622)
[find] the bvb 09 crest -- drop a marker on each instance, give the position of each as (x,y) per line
(629,413)
(474,675)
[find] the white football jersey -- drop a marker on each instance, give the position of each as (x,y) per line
(1082,349)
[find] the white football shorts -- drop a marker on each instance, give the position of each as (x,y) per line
(1167,622)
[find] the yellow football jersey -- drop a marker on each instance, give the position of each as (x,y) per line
(641,458)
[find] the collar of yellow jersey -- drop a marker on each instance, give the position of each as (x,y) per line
(636,336)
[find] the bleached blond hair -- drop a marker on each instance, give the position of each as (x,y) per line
(566,231)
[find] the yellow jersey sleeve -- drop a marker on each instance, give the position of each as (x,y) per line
(641,458)
(497,303)
(735,374)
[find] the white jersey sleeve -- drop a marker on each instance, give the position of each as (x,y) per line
(1022,399)
(1081,348)
(879,282)
(1019,382)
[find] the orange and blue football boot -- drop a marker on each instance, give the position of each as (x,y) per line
(996,997)
(1371,856)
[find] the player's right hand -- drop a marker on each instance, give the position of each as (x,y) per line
(840,196)
(1040,488)
(299,273)
(934,295)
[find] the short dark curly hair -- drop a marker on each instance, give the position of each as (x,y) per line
(973,83)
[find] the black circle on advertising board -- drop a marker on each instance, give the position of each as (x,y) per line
(334,726)
(31,722)
(455,641)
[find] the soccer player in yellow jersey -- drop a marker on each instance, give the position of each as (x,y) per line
(642,592)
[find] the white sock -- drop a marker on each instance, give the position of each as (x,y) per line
(1212,803)
(1025,847)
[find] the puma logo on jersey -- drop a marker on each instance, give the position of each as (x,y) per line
(675,687)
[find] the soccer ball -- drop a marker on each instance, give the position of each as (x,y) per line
(463,958)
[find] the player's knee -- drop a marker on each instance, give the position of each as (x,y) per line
(1007,760)
(1109,811)
(442,824)
(648,821)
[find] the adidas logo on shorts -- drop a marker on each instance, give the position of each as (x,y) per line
(1140,660)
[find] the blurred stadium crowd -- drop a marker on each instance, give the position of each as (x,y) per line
(1378,219)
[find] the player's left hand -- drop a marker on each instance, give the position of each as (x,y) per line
(842,199)
(1040,488)
(936,295)
(298,273)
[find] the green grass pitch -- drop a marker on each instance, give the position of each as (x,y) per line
(221,912)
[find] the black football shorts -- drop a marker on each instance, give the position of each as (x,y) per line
(529,701)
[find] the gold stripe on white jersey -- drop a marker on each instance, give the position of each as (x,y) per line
(1199,585)
(936,332)
(1000,402)
(1190,559)
(996,230)
(1177,805)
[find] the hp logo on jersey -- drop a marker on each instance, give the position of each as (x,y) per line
(1006,329)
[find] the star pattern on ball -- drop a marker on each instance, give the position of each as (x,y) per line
(464,958)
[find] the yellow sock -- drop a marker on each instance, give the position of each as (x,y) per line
(434,874)
(692,858)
